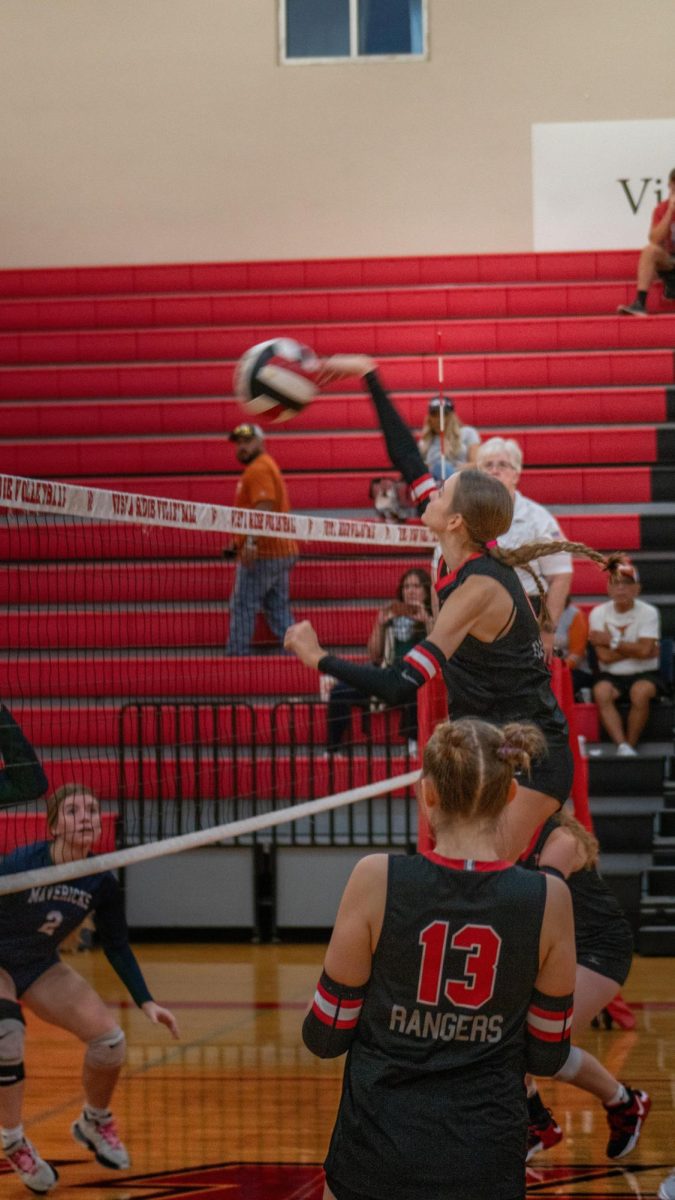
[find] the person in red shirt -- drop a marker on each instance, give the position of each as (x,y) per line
(263,563)
(658,256)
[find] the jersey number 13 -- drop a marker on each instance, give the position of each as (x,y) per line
(481,946)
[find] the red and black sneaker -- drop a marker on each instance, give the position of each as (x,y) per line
(542,1134)
(625,1122)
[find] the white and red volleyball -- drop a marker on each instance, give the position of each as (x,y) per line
(275,380)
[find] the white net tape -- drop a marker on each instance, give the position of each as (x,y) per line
(68,500)
(116,859)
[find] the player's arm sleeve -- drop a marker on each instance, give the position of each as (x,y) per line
(111,927)
(397,684)
(547,1032)
(22,777)
(330,1025)
(401,445)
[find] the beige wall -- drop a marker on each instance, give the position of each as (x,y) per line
(164,130)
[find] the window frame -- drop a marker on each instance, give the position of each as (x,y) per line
(353,57)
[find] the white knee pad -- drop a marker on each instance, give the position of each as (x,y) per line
(12,1037)
(107,1050)
(572,1067)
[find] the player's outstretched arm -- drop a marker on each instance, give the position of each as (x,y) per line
(402,448)
(398,683)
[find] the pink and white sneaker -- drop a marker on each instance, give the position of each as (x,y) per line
(102,1138)
(32,1170)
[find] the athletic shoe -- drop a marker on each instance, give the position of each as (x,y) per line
(633,310)
(102,1138)
(625,1122)
(624,750)
(543,1134)
(39,1176)
(667,1188)
(619,1012)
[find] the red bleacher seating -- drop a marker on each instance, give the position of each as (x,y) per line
(122,377)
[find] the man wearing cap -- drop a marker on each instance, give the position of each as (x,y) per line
(503,458)
(263,563)
(625,632)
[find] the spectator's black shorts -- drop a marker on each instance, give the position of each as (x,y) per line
(623,683)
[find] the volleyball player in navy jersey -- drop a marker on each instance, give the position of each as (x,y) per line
(604,949)
(448,974)
(33,923)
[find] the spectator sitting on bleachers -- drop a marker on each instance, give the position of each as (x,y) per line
(626,632)
(398,627)
(658,256)
(445,442)
(571,644)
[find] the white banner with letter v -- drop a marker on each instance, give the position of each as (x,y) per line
(595,184)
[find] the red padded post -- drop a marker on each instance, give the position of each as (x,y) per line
(432,708)
(561,682)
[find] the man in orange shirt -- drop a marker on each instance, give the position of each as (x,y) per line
(263,563)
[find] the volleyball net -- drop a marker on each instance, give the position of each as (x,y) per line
(118,663)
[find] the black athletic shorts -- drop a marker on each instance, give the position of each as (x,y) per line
(553,774)
(616,969)
(25,974)
(623,683)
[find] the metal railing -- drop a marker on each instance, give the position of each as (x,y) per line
(188,766)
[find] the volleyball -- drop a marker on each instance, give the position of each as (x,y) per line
(275,380)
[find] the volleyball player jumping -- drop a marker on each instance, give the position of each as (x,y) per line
(486,640)
(448,974)
(32,925)
(604,948)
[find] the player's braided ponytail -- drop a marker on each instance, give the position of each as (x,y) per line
(520,556)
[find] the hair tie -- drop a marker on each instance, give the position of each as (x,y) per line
(505,750)
(490,545)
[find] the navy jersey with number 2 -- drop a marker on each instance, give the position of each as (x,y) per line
(34,922)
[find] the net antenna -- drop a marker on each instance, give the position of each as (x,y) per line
(441,382)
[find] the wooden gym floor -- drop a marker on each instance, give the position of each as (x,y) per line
(240,1109)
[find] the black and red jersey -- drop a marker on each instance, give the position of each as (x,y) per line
(433,1103)
(506,679)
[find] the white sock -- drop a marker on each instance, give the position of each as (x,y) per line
(11,1136)
(95,1114)
(620,1097)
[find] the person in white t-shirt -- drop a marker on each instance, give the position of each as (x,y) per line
(531,522)
(625,632)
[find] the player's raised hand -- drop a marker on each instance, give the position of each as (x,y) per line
(344,366)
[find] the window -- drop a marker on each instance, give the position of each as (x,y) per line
(352,29)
